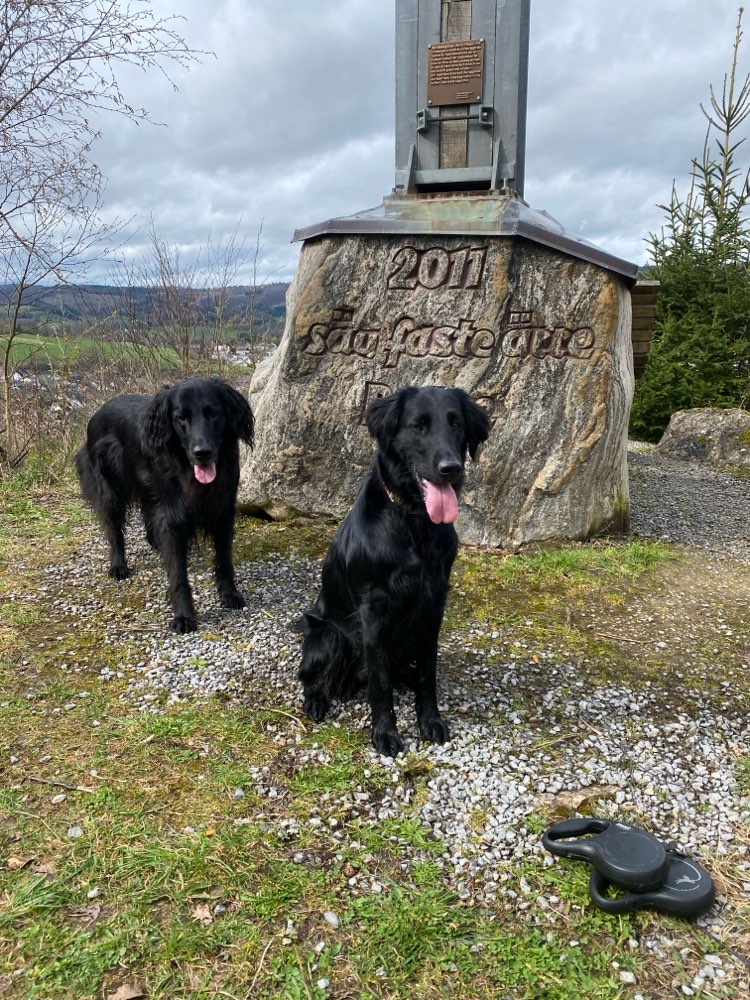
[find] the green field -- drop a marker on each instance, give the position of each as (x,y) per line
(66,352)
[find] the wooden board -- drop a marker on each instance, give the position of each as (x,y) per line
(454,136)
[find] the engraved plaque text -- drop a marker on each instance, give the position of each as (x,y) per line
(455,72)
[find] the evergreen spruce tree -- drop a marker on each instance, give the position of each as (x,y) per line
(700,352)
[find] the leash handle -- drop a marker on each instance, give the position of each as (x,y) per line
(688,891)
(627,855)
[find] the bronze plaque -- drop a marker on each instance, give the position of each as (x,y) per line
(455,72)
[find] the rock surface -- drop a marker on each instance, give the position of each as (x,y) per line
(719,437)
(539,338)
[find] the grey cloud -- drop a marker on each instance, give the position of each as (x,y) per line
(292,122)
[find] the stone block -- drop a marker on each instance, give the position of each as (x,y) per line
(540,338)
(707,434)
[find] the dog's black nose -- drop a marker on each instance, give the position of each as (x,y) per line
(202,454)
(449,468)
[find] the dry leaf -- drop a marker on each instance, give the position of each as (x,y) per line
(128,992)
(194,979)
(87,914)
(580,800)
(15,864)
(45,868)
(202,914)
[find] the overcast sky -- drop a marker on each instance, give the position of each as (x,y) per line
(291,121)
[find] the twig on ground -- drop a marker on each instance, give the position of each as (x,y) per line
(270,941)
(60,784)
(619,638)
(279,711)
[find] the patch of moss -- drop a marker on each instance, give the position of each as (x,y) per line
(255,539)
(492,586)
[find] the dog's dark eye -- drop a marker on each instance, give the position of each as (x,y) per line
(182,418)
(456,425)
(421,426)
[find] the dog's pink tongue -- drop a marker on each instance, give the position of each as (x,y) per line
(205,473)
(441,502)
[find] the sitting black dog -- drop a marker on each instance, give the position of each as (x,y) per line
(386,576)
(176,456)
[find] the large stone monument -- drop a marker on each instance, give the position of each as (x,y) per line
(455,280)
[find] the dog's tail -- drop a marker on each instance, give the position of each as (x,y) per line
(330,663)
(101,477)
(86,475)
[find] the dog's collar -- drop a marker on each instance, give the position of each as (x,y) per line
(401,502)
(397,499)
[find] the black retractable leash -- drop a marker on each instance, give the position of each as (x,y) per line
(626,857)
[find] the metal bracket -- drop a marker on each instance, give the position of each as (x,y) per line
(411,167)
(426,117)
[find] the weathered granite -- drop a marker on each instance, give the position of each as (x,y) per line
(539,338)
(708,434)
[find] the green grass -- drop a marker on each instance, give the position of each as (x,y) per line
(422,938)
(68,352)
(577,567)
(541,604)
(742,768)
(185,887)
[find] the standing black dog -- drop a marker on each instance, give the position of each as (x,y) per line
(176,456)
(386,576)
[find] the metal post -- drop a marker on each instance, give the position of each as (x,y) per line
(461,85)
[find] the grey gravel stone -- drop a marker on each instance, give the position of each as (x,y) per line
(689,502)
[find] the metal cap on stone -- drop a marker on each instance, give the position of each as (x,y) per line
(464,215)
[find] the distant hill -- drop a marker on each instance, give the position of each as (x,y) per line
(87,303)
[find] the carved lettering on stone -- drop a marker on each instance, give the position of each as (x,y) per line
(524,338)
(437,267)
(376,390)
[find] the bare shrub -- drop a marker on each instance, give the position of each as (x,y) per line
(59,64)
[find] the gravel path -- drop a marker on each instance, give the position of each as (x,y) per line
(526,730)
(689,503)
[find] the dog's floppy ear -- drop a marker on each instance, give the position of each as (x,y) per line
(476,421)
(383,415)
(156,429)
(239,415)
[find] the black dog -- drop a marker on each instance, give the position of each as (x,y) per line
(176,456)
(385,578)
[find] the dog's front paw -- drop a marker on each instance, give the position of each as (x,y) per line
(387,741)
(119,572)
(184,623)
(316,705)
(434,730)
(232,599)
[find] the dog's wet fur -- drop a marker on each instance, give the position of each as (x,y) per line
(385,579)
(174,455)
